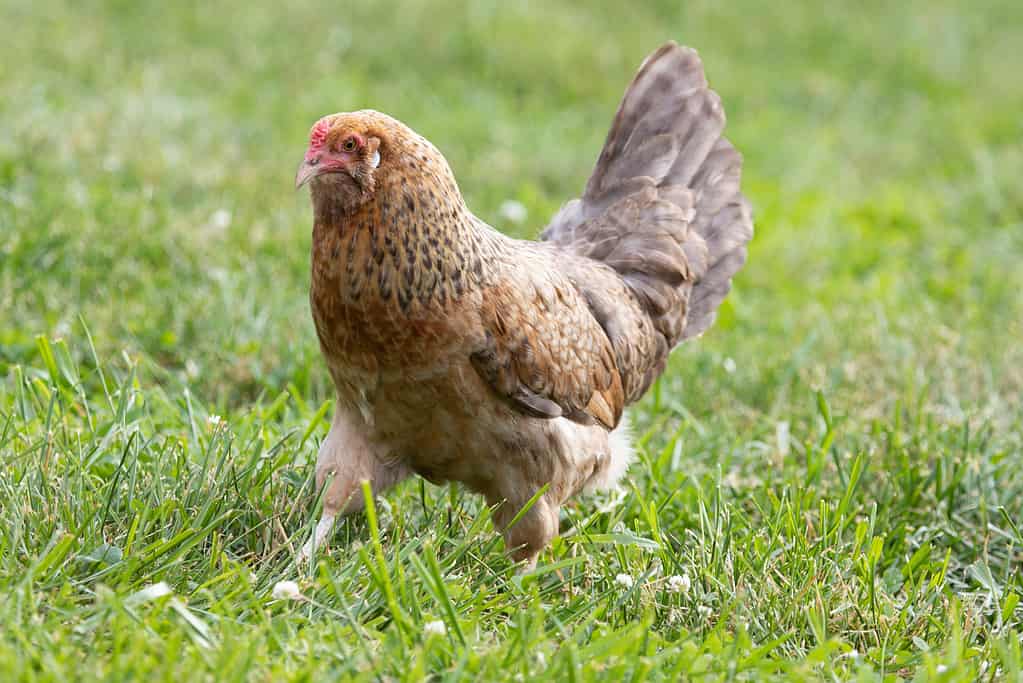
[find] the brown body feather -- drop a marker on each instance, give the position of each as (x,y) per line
(461,354)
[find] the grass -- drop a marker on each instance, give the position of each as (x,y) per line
(837,468)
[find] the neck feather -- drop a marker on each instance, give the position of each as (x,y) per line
(413,244)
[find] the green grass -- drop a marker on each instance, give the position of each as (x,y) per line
(837,467)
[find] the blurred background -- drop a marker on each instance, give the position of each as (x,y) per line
(147,156)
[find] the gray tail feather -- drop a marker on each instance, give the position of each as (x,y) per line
(663,205)
(724,221)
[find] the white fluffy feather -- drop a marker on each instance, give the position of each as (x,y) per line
(622,455)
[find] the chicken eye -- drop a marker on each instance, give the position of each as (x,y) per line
(349,145)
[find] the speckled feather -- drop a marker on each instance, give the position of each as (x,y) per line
(461,354)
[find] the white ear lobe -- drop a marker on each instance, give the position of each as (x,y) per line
(375,161)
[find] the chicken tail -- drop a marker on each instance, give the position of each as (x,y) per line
(663,206)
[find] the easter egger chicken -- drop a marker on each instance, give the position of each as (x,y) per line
(461,354)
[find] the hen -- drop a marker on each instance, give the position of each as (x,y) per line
(461,354)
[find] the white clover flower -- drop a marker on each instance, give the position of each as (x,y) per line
(625,581)
(541,659)
(435,628)
(149,593)
(679,584)
(513,211)
(221,219)
(941,668)
(704,610)
(287,590)
(729,365)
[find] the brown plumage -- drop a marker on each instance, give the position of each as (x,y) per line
(461,354)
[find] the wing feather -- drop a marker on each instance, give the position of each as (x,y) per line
(543,350)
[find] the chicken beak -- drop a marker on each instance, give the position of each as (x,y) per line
(306,170)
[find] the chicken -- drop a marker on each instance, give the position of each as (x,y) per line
(460,354)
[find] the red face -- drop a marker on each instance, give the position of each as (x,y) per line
(331,153)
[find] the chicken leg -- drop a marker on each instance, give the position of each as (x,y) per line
(347,456)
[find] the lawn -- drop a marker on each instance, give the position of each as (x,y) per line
(830,482)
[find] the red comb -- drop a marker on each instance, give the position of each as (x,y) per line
(318,135)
